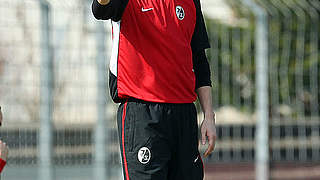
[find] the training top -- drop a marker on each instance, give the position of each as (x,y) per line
(157,49)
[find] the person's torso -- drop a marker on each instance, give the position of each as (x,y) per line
(151,56)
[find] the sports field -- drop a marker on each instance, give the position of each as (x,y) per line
(245,171)
(242,171)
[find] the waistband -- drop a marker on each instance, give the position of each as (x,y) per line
(131,99)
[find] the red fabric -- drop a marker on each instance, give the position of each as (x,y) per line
(155,56)
(2,164)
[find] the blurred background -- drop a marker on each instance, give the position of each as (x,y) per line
(60,123)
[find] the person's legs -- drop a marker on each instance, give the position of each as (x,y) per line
(186,162)
(159,141)
(143,134)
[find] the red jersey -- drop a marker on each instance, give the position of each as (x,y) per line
(152,50)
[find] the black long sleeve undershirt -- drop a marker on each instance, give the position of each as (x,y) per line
(113,10)
(201,69)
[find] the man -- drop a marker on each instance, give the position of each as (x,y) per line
(157,68)
(3,149)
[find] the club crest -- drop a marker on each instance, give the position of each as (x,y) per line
(144,155)
(180,12)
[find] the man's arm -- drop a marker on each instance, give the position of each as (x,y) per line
(108,9)
(101,9)
(208,129)
(203,89)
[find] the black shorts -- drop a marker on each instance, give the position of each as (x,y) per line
(159,141)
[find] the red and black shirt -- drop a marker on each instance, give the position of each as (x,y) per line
(158,49)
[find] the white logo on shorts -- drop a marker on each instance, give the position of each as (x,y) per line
(180,12)
(195,160)
(144,155)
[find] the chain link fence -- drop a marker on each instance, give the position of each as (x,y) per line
(293,80)
(81,123)
(62,39)
(293,62)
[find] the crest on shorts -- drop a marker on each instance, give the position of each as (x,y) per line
(144,155)
(180,12)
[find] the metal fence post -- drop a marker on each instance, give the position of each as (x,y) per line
(46,97)
(101,130)
(261,56)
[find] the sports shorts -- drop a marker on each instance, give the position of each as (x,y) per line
(159,141)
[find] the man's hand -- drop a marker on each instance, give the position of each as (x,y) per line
(103,2)
(3,151)
(208,129)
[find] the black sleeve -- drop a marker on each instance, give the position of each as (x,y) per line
(113,10)
(201,69)
(200,40)
(199,43)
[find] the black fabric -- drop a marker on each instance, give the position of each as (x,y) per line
(169,131)
(113,10)
(200,40)
(201,69)
(113,88)
(199,43)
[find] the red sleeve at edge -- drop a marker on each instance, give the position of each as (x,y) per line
(2,164)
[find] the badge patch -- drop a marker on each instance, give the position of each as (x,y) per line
(180,12)
(144,155)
